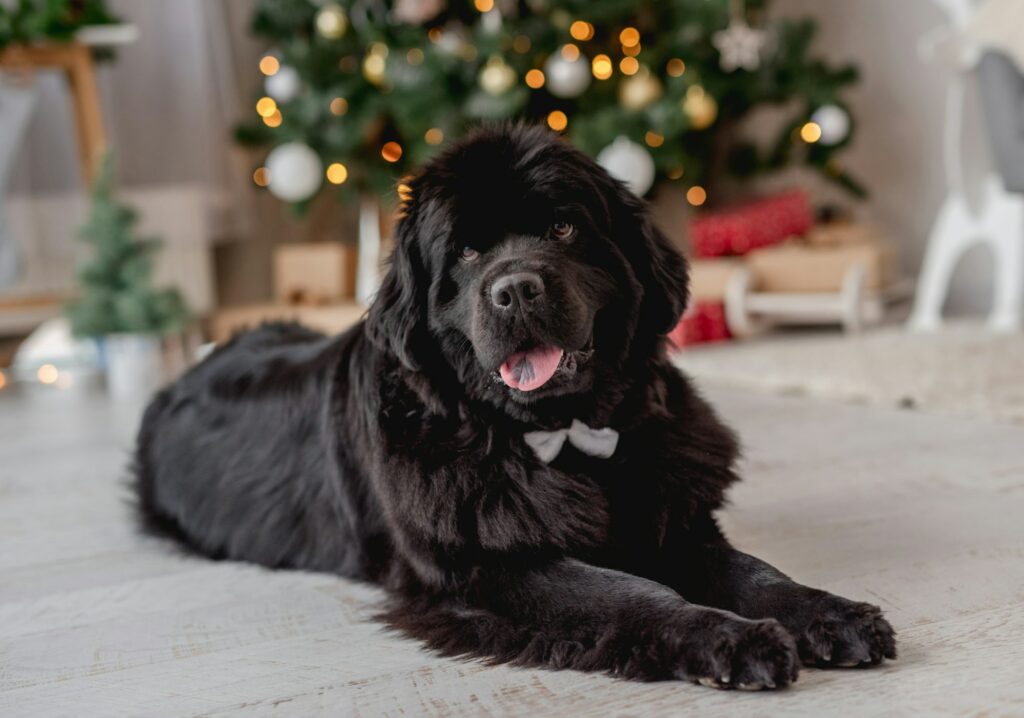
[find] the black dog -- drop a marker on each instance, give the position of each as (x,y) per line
(502,444)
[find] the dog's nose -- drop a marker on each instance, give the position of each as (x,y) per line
(518,289)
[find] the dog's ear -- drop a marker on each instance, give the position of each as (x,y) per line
(397,320)
(659,267)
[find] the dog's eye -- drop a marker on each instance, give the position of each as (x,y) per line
(562,230)
(469,254)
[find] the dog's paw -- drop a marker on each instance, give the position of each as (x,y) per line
(844,634)
(743,654)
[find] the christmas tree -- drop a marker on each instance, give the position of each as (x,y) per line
(359,92)
(27,21)
(117,293)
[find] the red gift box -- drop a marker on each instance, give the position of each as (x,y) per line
(761,223)
(703,322)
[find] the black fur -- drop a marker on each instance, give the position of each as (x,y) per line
(394,454)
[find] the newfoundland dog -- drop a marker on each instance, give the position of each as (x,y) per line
(502,444)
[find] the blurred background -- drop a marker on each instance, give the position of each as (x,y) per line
(845,177)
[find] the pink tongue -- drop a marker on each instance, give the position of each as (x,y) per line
(531,370)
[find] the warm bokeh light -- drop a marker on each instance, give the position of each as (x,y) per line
(261,176)
(675,67)
(435,34)
(391,151)
(535,79)
(269,65)
(674,173)
(266,106)
(631,50)
(557,120)
(483,5)
(570,52)
(521,44)
(696,196)
(629,37)
(629,65)
(653,139)
(274,120)
(602,67)
(810,133)
(337,173)
(414,56)
(434,136)
(3,380)
(47,374)
(339,106)
(581,30)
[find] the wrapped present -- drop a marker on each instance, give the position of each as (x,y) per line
(710,277)
(799,267)
(703,322)
(314,273)
(749,226)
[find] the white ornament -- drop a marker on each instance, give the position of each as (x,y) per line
(284,85)
(834,124)
(739,46)
(566,78)
(296,171)
(629,162)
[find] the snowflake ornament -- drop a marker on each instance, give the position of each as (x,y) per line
(739,45)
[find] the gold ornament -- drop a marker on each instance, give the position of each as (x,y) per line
(497,77)
(331,22)
(700,108)
(639,90)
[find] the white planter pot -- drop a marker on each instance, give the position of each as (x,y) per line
(134,365)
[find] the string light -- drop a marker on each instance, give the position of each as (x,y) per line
(391,151)
(261,176)
(484,5)
(521,44)
(414,56)
(581,30)
(810,133)
(434,136)
(337,173)
(404,190)
(675,67)
(535,79)
(47,374)
(557,120)
(266,106)
(629,65)
(570,53)
(696,195)
(274,120)
(653,139)
(269,65)
(629,37)
(339,106)
(602,67)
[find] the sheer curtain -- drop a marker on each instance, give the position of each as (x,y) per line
(170,101)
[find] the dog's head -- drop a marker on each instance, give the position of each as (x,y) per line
(526,272)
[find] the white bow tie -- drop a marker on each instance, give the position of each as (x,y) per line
(600,443)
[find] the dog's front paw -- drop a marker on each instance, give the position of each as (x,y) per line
(843,633)
(738,653)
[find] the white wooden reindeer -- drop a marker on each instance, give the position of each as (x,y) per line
(998,220)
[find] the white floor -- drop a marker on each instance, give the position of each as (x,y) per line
(923,515)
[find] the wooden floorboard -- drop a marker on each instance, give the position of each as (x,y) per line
(923,515)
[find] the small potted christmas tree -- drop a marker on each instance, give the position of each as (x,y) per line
(118,304)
